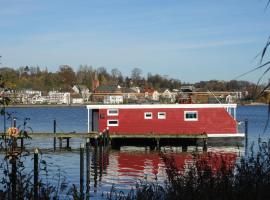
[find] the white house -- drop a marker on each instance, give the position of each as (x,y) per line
(116,99)
(82,90)
(55,97)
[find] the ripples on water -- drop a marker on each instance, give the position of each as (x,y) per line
(126,167)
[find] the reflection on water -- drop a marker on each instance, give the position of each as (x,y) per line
(126,167)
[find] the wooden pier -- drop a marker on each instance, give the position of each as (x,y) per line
(154,141)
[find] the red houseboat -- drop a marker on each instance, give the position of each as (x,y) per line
(178,120)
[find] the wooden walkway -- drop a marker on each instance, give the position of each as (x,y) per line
(93,135)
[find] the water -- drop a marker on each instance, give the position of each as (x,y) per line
(126,167)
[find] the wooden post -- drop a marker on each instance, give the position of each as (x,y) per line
(54,131)
(158,146)
(95,166)
(36,175)
(13,177)
(100,162)
(14,122)
(88,168)
(184,148)
(81,171)
(107,136)
(246,134)
(204,144)
(67,142)
(60,142)
(22,144)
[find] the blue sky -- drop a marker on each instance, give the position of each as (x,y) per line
(189,40)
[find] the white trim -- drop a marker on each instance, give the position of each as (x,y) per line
(112,114)
(147,113)
(191,119)
(226,135)
(162,115)
(108,122)
(159,106)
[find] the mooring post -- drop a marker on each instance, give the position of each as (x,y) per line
(60,142)
(22,143)
(246,133)
(68,147)
(96,141)
(100,162)
(95,167)
(204,144)
(54,131)
(36,174)
(158,146)
(13,177)
(14,122)
(87,168)
(81,171)
(184,148)
(107,136)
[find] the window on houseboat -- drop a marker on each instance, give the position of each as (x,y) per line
(161,115)
(191,115)
(112,112)
(112,123)
(147,115)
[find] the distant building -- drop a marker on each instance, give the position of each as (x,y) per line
(117,99)
(167,96)
(83,91)
(55,97)
(102,91)
(151,94)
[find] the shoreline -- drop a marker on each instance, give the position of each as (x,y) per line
(84,105)
(46,106)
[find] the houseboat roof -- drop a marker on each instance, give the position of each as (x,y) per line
(158,106)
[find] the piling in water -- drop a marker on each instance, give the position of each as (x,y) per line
(54,131)
(13,177)
(87,168)
(36,175)
(81,171)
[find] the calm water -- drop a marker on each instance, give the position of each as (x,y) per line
(121,168)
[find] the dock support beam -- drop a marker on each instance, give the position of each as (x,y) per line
(13,177)
(36,174)
(54,131)
(158,145)
(87,168)
(81,171)
(246,134)
(204,144)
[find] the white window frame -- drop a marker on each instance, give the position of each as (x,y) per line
(112,114)
(161,115)
(109,120)
(191,119)
(147,113)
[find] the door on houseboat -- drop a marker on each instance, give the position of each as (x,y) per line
(95,116)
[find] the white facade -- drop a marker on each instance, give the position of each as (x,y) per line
(55,97)
(117,99)
(82,90)
(77,100)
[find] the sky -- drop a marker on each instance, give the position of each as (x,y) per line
(189,40)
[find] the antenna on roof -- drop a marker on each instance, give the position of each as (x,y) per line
(214,96)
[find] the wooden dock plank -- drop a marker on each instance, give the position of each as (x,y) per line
(117,136)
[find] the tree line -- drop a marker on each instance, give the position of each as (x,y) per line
(65,77)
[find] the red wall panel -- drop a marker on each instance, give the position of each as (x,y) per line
(131,121)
